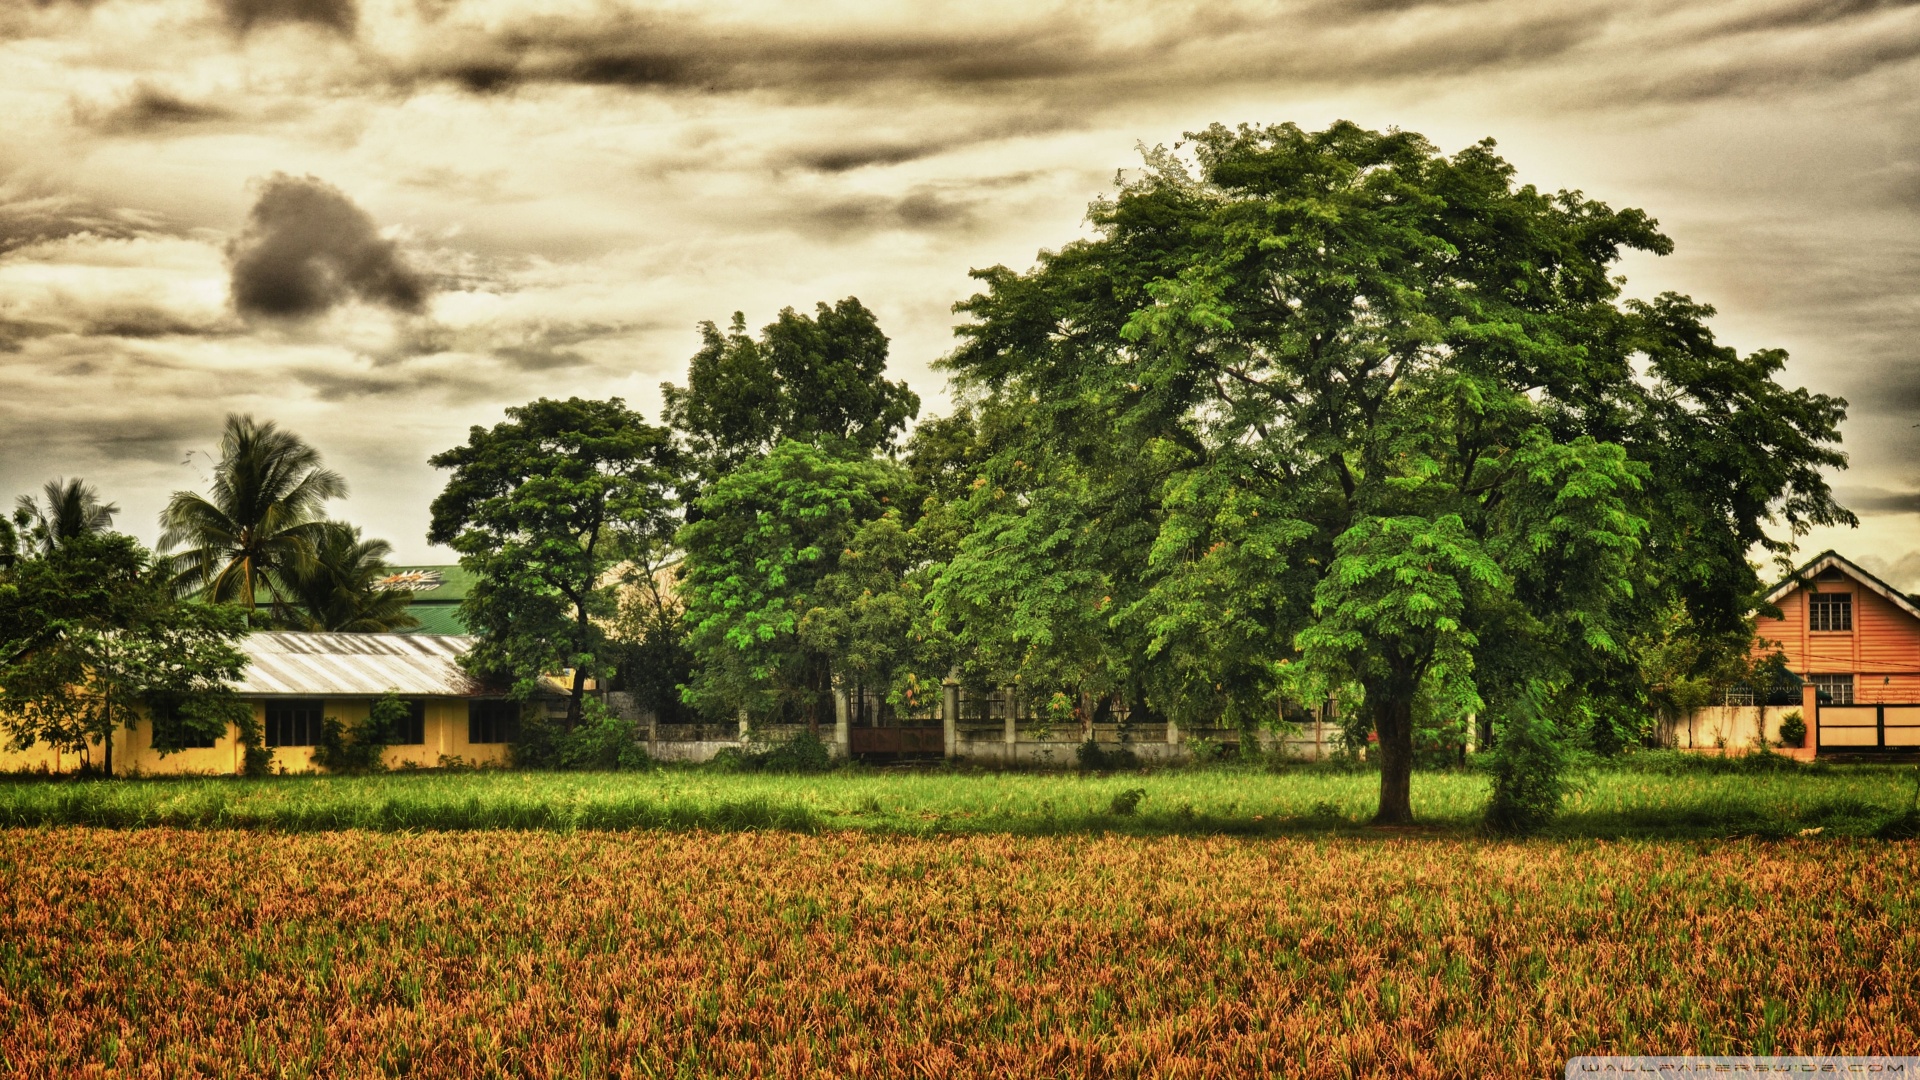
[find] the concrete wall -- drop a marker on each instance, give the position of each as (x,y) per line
(1729,726)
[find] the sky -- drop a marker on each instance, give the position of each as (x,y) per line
(379,222)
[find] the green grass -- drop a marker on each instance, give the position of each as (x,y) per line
(1656,796)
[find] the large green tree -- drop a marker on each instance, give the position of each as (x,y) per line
(542,508)
(818,378)
(774,540)
(92,635)
(263,520)
(1359,409)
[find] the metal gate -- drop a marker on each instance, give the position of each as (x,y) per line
(918,740)
(1867,729)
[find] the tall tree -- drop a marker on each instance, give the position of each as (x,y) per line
(541,508)
(263,520)
(810,378)
(338,589)
(1394,383)
(767,536)
(91,634)
(73,508)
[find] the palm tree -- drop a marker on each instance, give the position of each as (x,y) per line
(73,509)
(339,589)
(262,522)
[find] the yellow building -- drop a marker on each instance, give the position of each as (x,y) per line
(294,681)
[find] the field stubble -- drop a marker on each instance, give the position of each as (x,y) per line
(847,953)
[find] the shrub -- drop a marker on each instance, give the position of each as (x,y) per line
(1125,803)
(601,742)
(362,747)
(1793,729)
(1092,757)
(803,753)
(1205,751)
(1529,768)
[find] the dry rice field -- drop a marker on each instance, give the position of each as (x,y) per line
(160,952)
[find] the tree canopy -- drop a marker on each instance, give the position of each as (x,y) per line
(541,508)
(1334,409)
(91,632)
(809,378)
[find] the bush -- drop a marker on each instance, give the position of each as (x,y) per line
(1125,803)
(1094,758)
(361,748)
(1529,766)
(600,742)
(803,753)
(1793,729)
(1206,751)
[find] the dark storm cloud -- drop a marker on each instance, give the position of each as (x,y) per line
(148,108)
(49,218)
(1880,501)
(920,210)
(848,157)
(245,15)
(307,249)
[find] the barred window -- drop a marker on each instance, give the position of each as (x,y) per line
(294,723)
(413,730)
(1830,611)
(170,734)
(492,721)
(1739,695)
(1834,689)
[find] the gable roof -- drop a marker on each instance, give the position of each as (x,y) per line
(1829,560)
(298,664)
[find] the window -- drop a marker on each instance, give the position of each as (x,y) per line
(1834,689)
(492,721)
(413,730)
(1830,611)
(293,723)
(170,734)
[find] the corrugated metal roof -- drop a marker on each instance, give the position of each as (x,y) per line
(294,664)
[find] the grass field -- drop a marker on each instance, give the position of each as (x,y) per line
(1659,796)
(168,952)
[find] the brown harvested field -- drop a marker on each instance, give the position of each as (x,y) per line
(175,953)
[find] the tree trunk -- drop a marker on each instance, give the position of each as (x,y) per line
(1393,720)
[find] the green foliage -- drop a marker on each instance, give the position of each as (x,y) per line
(91,634)
(600,742)
(73,508)
(337,588)
(262,521)
(1092,757)
(1529,765)
(1125,803)
(362,747)
(773,542)
(816,379)
(1206,751)
(541,507)
(803,752)
(1793,729)
(1342,367)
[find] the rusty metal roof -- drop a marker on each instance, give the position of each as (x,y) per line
(296,664)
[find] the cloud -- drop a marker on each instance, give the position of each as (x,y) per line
(148,108)
(247,15)
(40,220)
(1880,501)
(307,249)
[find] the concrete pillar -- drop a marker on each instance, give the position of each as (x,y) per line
(1173,733)
(1810,711)
(744,726)
(950,714)
(840,738)
(1013,719)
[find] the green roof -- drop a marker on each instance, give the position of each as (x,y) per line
(437,592)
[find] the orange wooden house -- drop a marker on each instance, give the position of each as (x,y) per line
(1854,641)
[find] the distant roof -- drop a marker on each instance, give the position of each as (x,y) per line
(1833,560)
(430,584)
(295,664)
